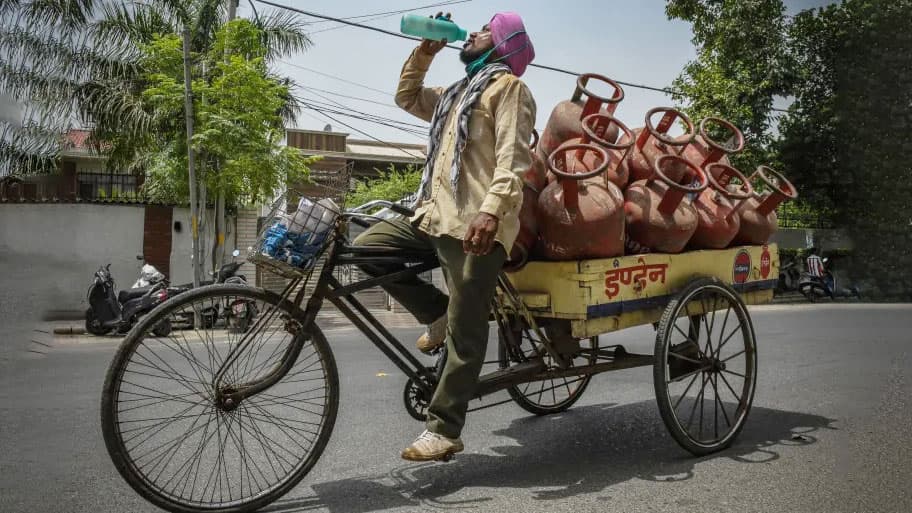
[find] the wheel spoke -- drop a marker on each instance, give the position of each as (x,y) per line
(699,399)
(739,353)
(682,377)
(725,380)
(683,395)
(721,404)
(682,357)
(722,331)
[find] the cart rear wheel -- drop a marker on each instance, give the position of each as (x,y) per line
(547,396)
(705,368)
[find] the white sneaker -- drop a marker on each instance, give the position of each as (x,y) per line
(430,446)
(434,337)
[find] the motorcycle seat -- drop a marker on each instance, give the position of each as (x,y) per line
(125,295)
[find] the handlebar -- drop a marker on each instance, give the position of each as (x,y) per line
(359,215)
(370,205)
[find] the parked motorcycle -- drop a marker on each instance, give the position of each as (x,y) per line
(238,315)
(112,311)
(789,276)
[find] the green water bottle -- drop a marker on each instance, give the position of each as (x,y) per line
(436,29)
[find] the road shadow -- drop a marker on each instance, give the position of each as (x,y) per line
(584,450)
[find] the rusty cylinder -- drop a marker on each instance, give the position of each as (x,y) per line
(659,216)
(565,122)
(704,150)
(717,207)
(758,213)
(654,141)
(580,218)
(595,130)
(534,182)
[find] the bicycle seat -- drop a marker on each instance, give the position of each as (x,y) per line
(125,295)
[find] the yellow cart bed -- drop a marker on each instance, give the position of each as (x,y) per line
(605,295)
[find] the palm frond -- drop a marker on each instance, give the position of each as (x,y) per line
(133,23)
(27,149)
(74,57)
(283,34)
(62,14)
(114,107)
(208,17)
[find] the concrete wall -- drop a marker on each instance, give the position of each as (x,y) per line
(70,241)
(182,243)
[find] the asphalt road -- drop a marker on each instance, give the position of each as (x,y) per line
(829,432)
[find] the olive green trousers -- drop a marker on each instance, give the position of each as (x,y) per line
(471,281)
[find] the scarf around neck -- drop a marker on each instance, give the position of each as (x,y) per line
(473,87)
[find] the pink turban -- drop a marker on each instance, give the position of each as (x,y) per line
(515,49)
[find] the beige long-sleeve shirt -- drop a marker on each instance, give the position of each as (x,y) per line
(496,154)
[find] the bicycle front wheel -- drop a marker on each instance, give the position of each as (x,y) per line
(182,448)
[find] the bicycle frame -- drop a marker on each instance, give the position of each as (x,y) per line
(506,305)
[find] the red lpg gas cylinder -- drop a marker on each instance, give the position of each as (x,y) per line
(758,213)
(705,150)
(595,127)
(580,218)
(534,182)
(659,218)
(717,207)
(565,120)
(654,141)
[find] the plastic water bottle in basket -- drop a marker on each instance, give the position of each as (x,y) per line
(296,238)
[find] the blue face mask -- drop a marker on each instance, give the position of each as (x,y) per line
(476,65)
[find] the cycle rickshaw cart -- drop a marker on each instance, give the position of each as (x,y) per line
(223,419)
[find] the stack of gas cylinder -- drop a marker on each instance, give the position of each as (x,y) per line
(597,189)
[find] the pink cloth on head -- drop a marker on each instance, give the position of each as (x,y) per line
(504,24)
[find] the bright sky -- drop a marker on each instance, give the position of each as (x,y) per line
(631,41)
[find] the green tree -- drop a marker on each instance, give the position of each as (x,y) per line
(238,120)
(391,185)
(741,67)
(844,139)
(128,122)
(120,116)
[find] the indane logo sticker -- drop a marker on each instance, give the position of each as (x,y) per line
(765,262)
(742,267)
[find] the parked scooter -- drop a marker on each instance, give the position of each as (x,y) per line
(111,311)
(814,288)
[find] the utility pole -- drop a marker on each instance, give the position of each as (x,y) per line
(194,207)
(218,255)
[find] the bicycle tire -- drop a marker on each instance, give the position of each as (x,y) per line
(158,493)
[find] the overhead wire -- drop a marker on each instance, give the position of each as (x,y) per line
(336,78)
(365,134)
(391,13)
(343,106)
(365,116)
(357,98)
(454,47)
(326,111)
(384,15)
(403,36)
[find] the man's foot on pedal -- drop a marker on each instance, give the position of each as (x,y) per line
(434,337)
(430,446)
